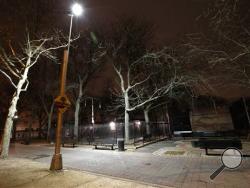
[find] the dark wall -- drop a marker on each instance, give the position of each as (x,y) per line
(239,115)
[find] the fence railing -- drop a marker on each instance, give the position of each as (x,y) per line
(88,134)
(103,133)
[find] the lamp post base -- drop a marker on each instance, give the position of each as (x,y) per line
(56,163)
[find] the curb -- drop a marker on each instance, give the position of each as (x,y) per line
(152,142)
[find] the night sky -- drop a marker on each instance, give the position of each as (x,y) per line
(171,17)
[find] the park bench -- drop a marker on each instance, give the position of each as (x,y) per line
(206,134)
(69,141)
(100,145)
(147,138)
(217,143)
(138,140)
(183,134)
(142,139)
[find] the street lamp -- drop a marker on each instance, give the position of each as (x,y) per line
(62,102)
(77,9)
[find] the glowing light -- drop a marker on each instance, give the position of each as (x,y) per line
(77,9)
(112,126)
(138,124)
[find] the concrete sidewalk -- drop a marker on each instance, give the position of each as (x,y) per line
(155,168)
(21,173)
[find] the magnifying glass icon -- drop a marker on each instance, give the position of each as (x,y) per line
(231,158)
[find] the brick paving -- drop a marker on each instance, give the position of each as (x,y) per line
(177,171)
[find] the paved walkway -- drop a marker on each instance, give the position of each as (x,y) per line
(177,171)
(21,173)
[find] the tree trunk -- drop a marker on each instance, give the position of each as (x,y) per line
(77,110)
(11,114)
(146,117)
(49,120)
(247,114)
(126,123)
(28,141)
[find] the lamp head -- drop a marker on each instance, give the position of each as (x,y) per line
(77,9)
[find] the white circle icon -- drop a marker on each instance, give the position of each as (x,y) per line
(231,158)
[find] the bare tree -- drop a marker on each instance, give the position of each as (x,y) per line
(15,67)
(46,99)
(223,46)
(88,60)
(126,51)
(170,80)
(41,94)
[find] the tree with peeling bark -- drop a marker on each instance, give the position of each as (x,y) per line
(127,51)
(155,79)
(87,60)
(147,80)
(134,77)
(171,80)
(15,67)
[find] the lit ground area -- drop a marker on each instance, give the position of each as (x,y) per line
(28,174)
(184,148)
(166,163)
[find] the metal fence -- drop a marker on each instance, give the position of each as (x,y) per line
(103,133)
(89,134)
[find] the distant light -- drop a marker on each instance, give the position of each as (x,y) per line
(15,115)
(77,9)
(138,124)
(112,126)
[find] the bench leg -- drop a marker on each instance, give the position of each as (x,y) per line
(206,151)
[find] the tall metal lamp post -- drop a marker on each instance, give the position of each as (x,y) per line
(62,101)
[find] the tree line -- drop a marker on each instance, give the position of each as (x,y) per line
(145,75)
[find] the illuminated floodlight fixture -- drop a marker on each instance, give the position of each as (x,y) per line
(112,126)
(77,9)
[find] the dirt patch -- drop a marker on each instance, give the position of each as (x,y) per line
(174,153)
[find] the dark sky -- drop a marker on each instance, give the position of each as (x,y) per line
(171,17)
